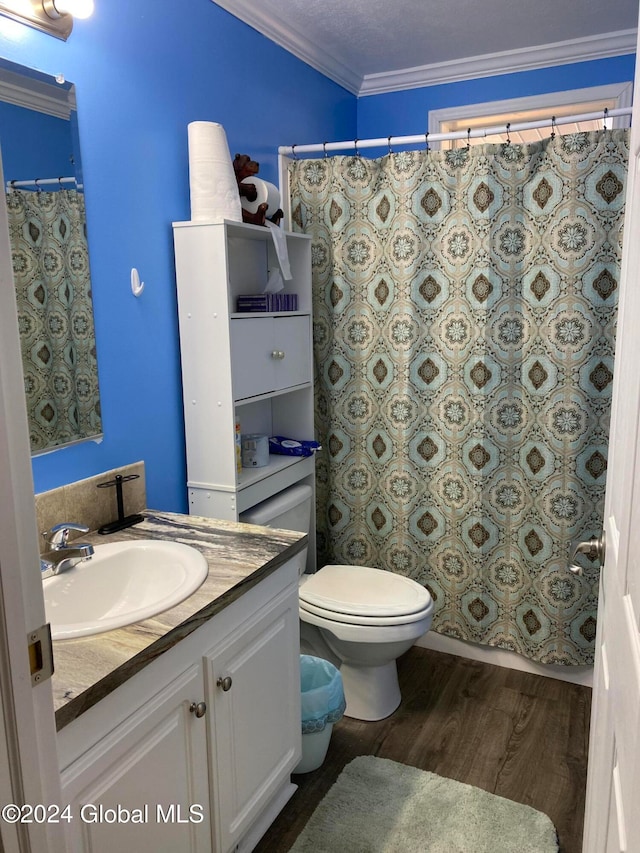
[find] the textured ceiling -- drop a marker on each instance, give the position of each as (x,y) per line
(363,38)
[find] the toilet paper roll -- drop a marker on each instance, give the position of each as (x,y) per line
(266,193)
(212,181)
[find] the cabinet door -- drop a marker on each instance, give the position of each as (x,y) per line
(291,338)
(269,354)
(254,684)
(144,787)
(252,357)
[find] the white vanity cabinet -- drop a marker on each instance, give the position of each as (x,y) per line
(255,369)
(202,741)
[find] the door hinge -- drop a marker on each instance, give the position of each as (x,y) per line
(40,654)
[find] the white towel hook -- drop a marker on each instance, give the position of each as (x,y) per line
(137,286)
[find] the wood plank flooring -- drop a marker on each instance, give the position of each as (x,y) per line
(522,736)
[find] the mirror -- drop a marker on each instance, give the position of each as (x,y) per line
(40,150)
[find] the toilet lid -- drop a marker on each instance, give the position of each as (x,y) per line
(371,621)
(362,591)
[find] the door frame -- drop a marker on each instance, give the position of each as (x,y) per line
(620,93)
(27,721)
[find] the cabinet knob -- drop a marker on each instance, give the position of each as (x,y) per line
(225,683)
(277,354)
(198,708)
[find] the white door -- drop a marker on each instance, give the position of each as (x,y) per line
(29,771)
(612,819)
(254,688)
(144,787)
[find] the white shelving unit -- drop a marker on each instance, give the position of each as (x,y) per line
(251,368)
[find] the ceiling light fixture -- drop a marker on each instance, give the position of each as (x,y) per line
(51,16)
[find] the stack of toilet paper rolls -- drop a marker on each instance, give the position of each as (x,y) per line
(212,181)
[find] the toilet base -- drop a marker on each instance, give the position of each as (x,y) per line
(371,692)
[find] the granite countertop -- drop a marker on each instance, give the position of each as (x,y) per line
(239,556)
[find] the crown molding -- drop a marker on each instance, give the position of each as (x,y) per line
(282,34)
(487,65)
(504,62)
(23,91)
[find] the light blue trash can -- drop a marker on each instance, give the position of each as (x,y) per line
(323,705)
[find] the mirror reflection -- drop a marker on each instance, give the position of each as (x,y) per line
(50,258)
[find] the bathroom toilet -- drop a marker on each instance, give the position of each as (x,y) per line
(368,618)
(360,618)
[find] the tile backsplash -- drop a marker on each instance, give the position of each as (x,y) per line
(84,503)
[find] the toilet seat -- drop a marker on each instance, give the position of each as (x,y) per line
(353,619)
(362,595)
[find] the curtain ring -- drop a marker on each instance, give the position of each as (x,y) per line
(604,118)
(37,183)
(508,137)
(468,138)
(293,152)
(355,145)
(553,127)
(60,182)
(426,141)
(324,148)
(389,144)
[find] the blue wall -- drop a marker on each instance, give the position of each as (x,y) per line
(143,71)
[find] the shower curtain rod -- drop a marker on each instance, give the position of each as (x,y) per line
(427,138)
(41,182)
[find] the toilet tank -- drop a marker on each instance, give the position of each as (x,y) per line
(288,510)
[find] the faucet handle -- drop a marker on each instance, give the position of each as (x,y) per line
(58,536)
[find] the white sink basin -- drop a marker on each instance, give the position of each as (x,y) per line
(124,582)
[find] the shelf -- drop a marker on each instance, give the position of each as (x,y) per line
(257,232)
(242,315)
(256,485)
(279,474)
(235,370)
(241,229)
(269,395)
(251,476)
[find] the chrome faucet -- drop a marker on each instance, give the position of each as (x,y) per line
(64,556)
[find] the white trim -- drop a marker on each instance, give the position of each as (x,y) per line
(285,190)
(504,62)
(502,657)
(36,95)
(622,93)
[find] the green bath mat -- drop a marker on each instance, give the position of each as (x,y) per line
(380,806)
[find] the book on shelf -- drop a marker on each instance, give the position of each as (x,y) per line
(267,302)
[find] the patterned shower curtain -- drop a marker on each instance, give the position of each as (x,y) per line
(464,325)
(50,258)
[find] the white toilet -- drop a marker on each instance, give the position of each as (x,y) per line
(360,618)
